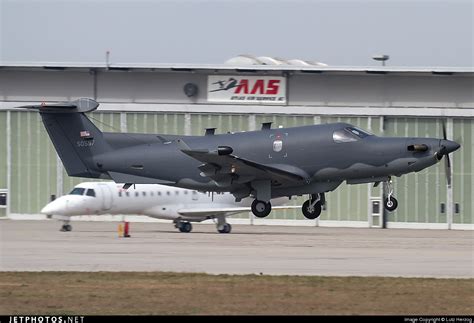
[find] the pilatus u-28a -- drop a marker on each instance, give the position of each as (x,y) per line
(262,164)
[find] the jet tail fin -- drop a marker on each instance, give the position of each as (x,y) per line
(76,139)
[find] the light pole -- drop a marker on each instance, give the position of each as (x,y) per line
(381,58)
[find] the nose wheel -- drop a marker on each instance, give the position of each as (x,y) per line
(390,203)
(312,208)
(66,228)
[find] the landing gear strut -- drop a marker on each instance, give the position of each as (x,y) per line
(390,203)
(183,226)
(312,207)
(66,226)
(222,226)
(261,208)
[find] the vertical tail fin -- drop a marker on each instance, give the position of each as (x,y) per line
(76,139)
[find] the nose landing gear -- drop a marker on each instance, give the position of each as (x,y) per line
(66,227)
(312,207)
(390,203)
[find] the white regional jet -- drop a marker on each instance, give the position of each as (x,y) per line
(157,201)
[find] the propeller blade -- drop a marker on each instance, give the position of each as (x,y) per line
(447,169)
(444,131)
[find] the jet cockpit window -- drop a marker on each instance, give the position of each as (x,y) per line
(90,192)
(349,134)
(77,191)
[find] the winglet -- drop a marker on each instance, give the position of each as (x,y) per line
(78,106)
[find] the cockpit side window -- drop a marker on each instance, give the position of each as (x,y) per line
(90,192)
(349,134)
(77,191)
(358,132)
(342,136)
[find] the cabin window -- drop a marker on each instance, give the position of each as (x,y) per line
(152,194)
(90,192)
(136,194)
(120,194)
(168,193)
(194,193)
(176,192)
(144,193)
(77,191)
(185,192)
(127,193)
(159,193)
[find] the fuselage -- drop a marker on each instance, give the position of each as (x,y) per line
(328,153)
(158,201)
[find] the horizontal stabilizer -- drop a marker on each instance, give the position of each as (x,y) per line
(77,106)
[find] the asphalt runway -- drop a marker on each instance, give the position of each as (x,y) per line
(278,250)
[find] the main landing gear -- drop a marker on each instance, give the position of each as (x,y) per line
(66,227)
(183,226)
(312,207)
(261,208)
(390,203)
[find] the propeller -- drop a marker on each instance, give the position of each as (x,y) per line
(444,152)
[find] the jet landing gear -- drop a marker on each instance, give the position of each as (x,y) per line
(183,226)
(222,226)
(66,227)
(390,203)
(312,207)
(261,208)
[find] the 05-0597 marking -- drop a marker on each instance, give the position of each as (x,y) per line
(85,143)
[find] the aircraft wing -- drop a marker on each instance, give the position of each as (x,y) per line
(226,168)
(227,210)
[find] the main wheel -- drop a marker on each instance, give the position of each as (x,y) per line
(261,209)
(390,204)
(226,229)
(66,228)
(311,212)
(185,227)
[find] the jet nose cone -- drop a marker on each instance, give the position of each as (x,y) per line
(48,209)
(450,145)
(54,207)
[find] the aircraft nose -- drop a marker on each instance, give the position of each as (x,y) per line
(449,145)
(55,207)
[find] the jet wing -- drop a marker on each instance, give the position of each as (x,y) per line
(226,169)
(228,210)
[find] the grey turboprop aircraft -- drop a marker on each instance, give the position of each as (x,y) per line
(263,164)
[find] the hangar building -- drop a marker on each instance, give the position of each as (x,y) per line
(187,99)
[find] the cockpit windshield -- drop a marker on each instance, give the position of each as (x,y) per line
(77,191)
(349,134)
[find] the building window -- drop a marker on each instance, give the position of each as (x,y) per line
(3,199)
